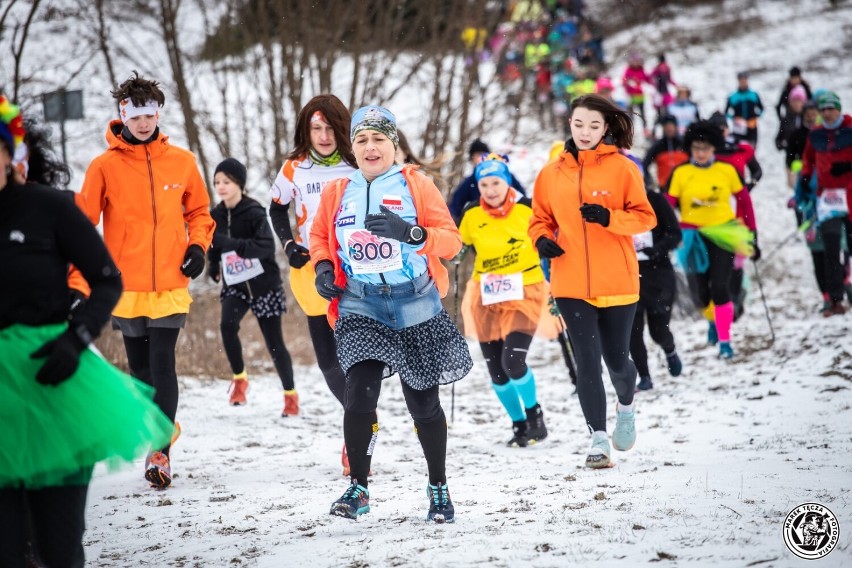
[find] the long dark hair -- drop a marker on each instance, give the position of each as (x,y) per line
(45,167)
(619,122)
(337,116)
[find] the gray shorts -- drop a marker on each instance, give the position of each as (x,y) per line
(138,327)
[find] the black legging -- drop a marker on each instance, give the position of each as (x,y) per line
(715,283)
(325,347)
(56,526)
(233,311)
(360,424)
(656,298)
(507,358)
(152,360)
(833,261)
(597,332)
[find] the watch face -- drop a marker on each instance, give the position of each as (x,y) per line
(416,233)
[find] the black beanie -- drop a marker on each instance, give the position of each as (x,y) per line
(718,119)
(795,72)
(704,131)
(668,119)
(234,169)
(478,147)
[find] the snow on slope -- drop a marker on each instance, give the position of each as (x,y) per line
(723,453)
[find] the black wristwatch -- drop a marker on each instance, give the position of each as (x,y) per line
(416,235)
(82,333)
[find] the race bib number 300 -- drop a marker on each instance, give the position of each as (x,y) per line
(369,254)
(236,269)
(498,288)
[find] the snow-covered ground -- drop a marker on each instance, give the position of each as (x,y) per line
(724,452)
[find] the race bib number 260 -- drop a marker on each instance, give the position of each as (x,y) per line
(369,254)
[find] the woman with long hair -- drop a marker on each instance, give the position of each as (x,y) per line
(587,205)
(321,152)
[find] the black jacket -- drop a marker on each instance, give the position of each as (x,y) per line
(666,234)
(41,232)
(245,230)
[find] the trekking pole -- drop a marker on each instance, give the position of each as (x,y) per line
(456,263)
(765,306)
(800,229)
(564,342)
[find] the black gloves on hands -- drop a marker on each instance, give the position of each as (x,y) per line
(63,356)
(840,168)
(214,271)
(755,256)
(547,248)
(388,224)
(193,262)
(76,301)
(324,281)
(297,255)
(654,253)
(594,213)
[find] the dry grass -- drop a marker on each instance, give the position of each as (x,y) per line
(199,349)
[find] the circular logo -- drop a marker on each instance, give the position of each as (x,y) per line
(811,531)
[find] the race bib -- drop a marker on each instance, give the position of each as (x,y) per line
(740,126)
(832,203)
(498,288)
(369,254)
(643,241)
(236,269)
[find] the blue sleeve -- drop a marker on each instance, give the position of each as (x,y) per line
(517,185)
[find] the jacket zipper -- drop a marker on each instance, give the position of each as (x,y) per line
(367,212)
(585,237)
(229,236)
(154,211)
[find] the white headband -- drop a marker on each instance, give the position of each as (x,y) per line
(129,110)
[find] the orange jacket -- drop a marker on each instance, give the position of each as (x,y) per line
(154,205)
(598,261)
(442,237)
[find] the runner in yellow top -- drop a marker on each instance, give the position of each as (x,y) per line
(508,300)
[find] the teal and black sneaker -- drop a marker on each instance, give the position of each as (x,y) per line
(536,430)
(712,334)
(354,502)
(725,350)
(441,508)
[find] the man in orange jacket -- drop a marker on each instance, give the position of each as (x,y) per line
(157,227)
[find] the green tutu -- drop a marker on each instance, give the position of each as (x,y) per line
(50,434)
(732,236)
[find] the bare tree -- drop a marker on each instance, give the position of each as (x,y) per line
(19,40)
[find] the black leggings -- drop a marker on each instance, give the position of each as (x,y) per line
(507,358)
(834,262)
(360,424)
(55,528)
(656,298)
(715,283)
(152,360)
(597,332)
(325,347)
(233,311)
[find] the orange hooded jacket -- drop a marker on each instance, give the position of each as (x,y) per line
(442,236)
(154,205)
(598,261)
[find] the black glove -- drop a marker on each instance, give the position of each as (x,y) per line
(654,253)
(297,255)
(594,213)
(76,301)
(214,271)
(63,356)
(325,281)
(805,182)
(755,256)
(388,224)
(750,185)
(547,248)
(193,262)
(840,168)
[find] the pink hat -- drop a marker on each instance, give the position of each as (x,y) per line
(604,83)
(798,93)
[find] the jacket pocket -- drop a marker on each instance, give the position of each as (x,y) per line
(631,263)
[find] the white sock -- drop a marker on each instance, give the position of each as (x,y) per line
(599,434)
(625,408)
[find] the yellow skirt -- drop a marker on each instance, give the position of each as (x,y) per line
(302,282)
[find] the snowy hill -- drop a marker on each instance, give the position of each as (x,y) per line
(724,451)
